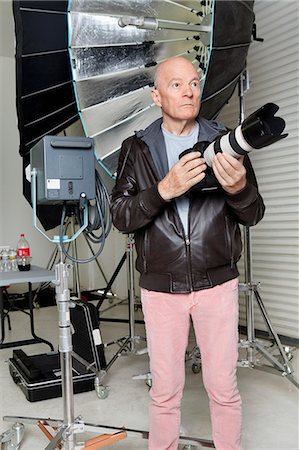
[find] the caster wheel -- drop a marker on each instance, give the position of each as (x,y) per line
(102,392)
(288,353)
(196,368)
(149,382)
(14,376)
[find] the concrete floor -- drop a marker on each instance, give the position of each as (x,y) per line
(270,401)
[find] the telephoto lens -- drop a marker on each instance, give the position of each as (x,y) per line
(259,130)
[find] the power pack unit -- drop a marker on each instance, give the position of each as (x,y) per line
(65,168)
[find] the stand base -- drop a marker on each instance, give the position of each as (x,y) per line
(108,436)
(254,348)
(258,351)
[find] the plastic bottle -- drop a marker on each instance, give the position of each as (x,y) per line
(5,261)
(23,254)
(12,256)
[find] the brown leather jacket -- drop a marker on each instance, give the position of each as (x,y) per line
(167,259)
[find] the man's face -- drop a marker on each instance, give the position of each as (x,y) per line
(177,90)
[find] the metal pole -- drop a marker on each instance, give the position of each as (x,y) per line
(131,288)
(62,272)
(249,294)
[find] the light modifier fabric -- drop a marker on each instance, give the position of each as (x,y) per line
(114,53)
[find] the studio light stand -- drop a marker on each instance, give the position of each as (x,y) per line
(132,340)
(254,348)
(70,427)
(128,344)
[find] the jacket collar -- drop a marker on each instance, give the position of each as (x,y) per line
(153,137)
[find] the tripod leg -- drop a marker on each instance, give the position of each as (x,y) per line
(111,281)
(43,428)
(131,289)
(96,261)
(287,365)
(104,440)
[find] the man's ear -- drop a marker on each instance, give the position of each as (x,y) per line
(156,96)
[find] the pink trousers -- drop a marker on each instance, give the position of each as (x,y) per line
(214,314)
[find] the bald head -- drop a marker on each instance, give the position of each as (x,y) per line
(172,65)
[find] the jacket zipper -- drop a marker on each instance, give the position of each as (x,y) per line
(145,251)
(229,240)
(187,244)
(188,251)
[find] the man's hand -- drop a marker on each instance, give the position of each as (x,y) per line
(187,172)
(230,172)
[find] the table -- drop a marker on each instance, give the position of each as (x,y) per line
(34,275)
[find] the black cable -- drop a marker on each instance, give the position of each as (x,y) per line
(99,218)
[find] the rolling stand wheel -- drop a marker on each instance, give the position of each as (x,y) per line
(16,378)
(12,438)
(149,382)
(196,368)
(101,390)
(288,354)
(195,357)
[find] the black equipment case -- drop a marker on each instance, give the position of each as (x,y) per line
(87,339)
(39,376)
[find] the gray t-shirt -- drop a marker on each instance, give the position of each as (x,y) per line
(174,146)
